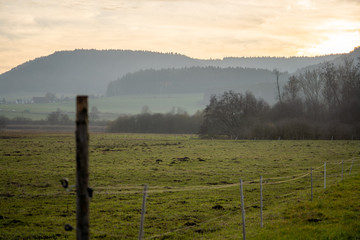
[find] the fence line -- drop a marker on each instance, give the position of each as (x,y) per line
(250,183)
(137,189)
(154,189)
(327,163)
(293,178)
(216,218)
(285,181)
(160,189)
(290,176)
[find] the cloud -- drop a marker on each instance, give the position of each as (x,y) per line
(203,29)
(47,21)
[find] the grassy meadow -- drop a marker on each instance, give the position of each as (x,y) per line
(193,187)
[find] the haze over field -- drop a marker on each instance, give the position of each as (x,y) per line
(124,72)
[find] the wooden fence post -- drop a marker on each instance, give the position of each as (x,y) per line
(261,203)
(143,211)
(325,175)
(242,209)
(311,179)
(82,169)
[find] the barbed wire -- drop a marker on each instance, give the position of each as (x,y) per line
(160,189)
(299,176)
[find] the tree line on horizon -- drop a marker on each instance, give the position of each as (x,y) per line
(188,80)
(323,103)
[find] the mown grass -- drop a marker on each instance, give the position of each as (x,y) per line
(193,187)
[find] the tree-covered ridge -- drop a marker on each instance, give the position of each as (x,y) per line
(208,80)
(284,64)
(85,71)
(90,71)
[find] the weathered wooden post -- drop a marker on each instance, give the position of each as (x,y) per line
(143,211)
(82,168)
(325,175)
(261,203)
(311,179)
(242,209)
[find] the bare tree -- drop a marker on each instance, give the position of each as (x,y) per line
(277,74)
(232,114)
(312,85)
(291,105)
(291,90)
(349,76)
(331,89)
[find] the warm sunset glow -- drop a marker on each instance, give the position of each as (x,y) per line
(337,43)
(339,36)
(200,29)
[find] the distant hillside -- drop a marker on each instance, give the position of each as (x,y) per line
(284,64)
(84,71)
(355,55)
(90,71)
(207,80)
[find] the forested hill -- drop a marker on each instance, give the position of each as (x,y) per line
(85,71)
(207,80)
(90,71)
(339,60)
(289,64)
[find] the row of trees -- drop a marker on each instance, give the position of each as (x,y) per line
(232,114)
(319,103)
(326,92)
(157,123)
(54,118)
(191,80)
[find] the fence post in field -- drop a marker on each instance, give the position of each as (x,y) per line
(311,179)
(143,211)
(324,175)
(242,209)
(82,168)
(261,203)
(352,161)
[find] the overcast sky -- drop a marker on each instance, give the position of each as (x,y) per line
(197,28)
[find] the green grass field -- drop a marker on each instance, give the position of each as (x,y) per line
(110,107)
(193,187)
